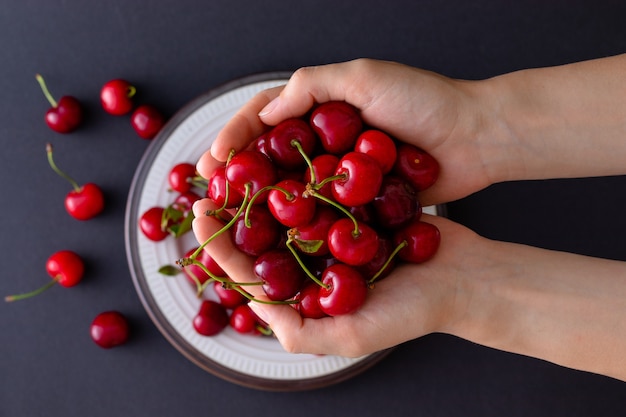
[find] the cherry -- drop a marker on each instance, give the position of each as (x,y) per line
(228,297)
(116,97)
(281,274)
(65,115)
(352,246)
(383,256)
(422,241)
(109,329)
(147,121)
(151,224)
(211,318)
(243,320)
(251,169)
(360,182)
(82,203)
(279,144)
(196,275)
(307,237)
(65,267)
(181,177)
(344,290)
(322,166)
(289,203)
(396,203)
(219,191)
(337,124)
(308,304)
(379,146)
(416,166)
(263,234)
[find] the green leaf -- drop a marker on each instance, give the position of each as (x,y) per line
(169,270)
(309,246)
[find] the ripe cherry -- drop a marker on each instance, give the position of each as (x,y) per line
(312,238)
(290,205)
(116,97)
(147,121)
(280,147)
(379,146)
(322,167)
(360,182)
(229,297)
(308,304)
(220,192)
(422,241)
(211,318)
(344,292)
(65,267)
(253,169)
(109,329)
(243,320)
(416,166)
(281,274)
(352,246)
(82,203)
(196,275)
(263,234)
(64,116)
(151,224)
(396,203)
(180,177)
(337,124)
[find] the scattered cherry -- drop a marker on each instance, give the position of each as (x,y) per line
(116,97)
(65,267)
(83,202)
(65,115)
(147,121)
(109,329)
(181,177)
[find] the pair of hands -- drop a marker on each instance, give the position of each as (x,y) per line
(433,112)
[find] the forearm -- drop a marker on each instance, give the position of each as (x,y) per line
(564,308)
(557,122)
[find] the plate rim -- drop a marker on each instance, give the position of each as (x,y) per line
(139,278)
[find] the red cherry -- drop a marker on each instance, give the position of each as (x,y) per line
(385,249)
(195,274)
(379,146)
(344,292)
(323,166)
(64,116)
(180,177)
(396,203)
(351,248)
(116,97)
(279,147)
(422,240)
(263,234)
(281,274)
(109,329)
(417,166)
(217,190)
(82,203)
(308,304)
(65,267)
(316,231)
(251,168)
(147,121)
(151,224)
(296,208)
(184,201)
(362,179)
(229,298)
(337,124)
(243,320)
(211,319)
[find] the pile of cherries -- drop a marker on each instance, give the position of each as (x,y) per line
(326,206)
(84,202)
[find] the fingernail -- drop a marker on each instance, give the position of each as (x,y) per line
(269,107)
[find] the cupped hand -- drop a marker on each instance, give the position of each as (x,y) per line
(441,115)
(412,301)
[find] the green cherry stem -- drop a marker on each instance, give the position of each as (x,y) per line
(311,190)
(45,90)
(58,171)
(256,195)
(17,297)
(393,254)
(296,144)
(302,265)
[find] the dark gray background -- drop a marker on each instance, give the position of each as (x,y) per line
(177,50)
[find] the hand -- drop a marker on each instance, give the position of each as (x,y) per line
(428,110)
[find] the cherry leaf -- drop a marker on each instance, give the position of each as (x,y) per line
(309,246)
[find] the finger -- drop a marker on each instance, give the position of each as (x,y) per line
(244,126)
(207,164)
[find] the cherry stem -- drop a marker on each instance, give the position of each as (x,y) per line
(198,181)
(58,171)
(16,297)
(131,91)
(356,232)
(393,254)
(45,90)
(302,265)
(296,144)
(289,196)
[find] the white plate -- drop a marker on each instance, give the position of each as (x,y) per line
(258,362)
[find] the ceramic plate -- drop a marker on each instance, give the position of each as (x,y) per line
(258,362)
